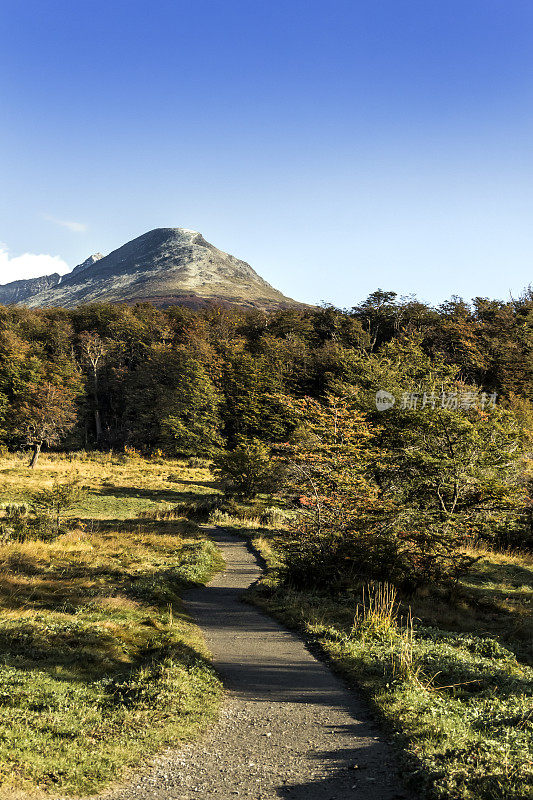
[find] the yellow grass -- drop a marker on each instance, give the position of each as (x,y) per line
(118,487)
(99,665)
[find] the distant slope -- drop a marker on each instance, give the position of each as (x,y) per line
(165,266)
(19,291)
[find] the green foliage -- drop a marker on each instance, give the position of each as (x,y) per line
(190,421)
(247,470)
(459,705)
(51,504)
(252,385)
(172,403)
(457,469)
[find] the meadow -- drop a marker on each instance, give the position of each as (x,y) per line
(100,666)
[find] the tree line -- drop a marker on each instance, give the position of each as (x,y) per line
(181,382)
(189,381)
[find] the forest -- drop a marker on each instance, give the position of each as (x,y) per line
(380,458)
(452,452)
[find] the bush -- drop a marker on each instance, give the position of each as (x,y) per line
(198,463)
(339,557)
(273,517)
(16,512)
(19,524)
(247,470)
(50,505)
(200,510)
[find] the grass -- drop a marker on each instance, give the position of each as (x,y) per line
(99,665)
(118,486)
(451,679)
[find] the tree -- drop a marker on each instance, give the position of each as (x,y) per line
(252,387)
(47,415)
(451,457)
(93,352)
(3,413)
(400,501)
(171,402)
(190,423)
(378,316)
(334,536)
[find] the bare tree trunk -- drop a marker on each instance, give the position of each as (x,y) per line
(97,423)
(35,456)
(97,418)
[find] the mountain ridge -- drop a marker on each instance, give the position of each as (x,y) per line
(165,266)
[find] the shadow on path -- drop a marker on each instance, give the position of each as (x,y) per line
(289,727)
(319,735)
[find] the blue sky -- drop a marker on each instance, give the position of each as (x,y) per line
(336,146)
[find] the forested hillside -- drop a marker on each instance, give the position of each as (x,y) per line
(452,448)
(181,382)
(189,381)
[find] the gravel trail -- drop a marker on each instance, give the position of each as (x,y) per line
(288,729)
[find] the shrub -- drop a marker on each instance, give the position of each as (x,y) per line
(198,463)
(273,517)
(201,509)
(16,512)
(247,470)
(50,505)
(346,528)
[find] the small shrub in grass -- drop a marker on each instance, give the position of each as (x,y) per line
(50,506)
(16,512)
(198,463)
(200,510)
(15,525)
(131,452)
(376,615)
(377,618)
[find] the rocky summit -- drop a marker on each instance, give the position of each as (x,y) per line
(166,266)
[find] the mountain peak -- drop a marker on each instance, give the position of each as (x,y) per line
(87,263)
(165,266)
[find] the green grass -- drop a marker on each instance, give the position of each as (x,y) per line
(473,739)
(117,486)
(455,692)
(99,665)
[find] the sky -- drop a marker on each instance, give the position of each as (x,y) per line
(338,147)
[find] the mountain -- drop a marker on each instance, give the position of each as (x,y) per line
(87,263)
(166,266)
(17,292)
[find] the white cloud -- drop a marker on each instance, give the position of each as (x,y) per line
(29,265)
(75,227)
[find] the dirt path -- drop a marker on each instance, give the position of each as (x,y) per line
(289,727)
